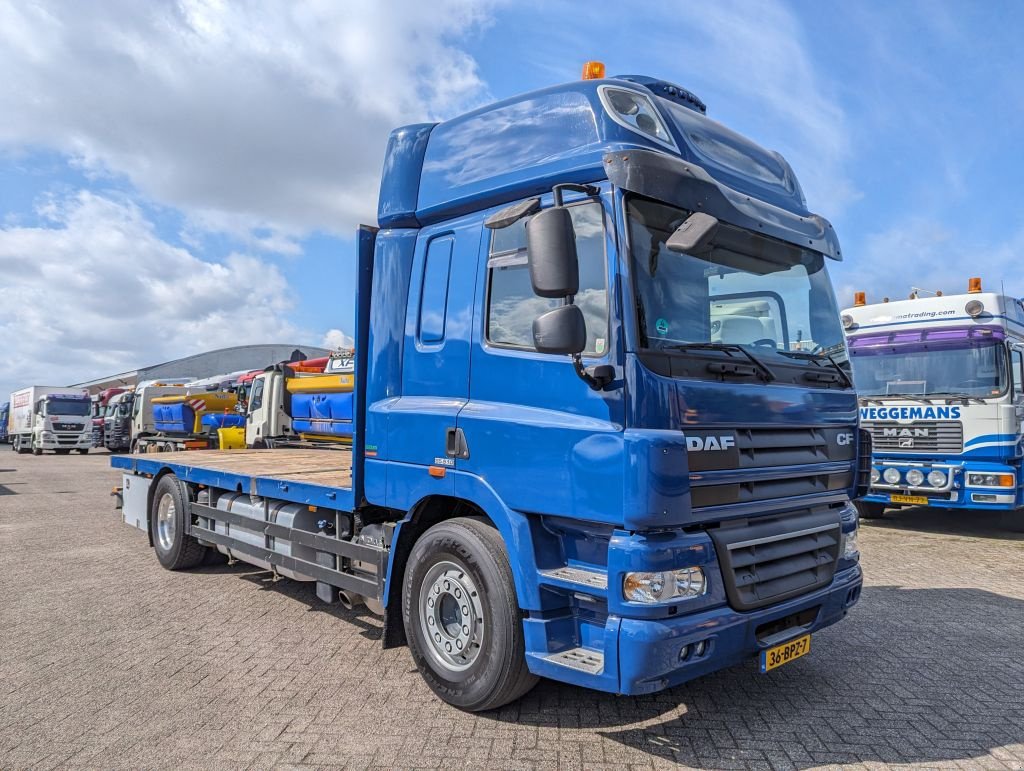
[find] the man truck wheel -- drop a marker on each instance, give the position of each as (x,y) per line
(175,549)
(36,450)
(868,510)
(462,617)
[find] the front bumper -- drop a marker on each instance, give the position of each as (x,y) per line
(649,650)
(60,441)
(955,495)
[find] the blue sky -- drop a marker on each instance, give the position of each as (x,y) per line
(179,177)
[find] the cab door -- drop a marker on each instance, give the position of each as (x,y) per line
(257,420)
(435,361)
(535,433)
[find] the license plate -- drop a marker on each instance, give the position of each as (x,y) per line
(785,653)
(917,500)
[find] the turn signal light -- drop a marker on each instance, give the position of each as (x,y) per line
(974,285)
(593,70)
(860,298)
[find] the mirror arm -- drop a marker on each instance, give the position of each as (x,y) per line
(556,191)
(597,377)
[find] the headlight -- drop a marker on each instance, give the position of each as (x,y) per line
(875,475)
(892,476)
(915,477)
(636,112)
(850,546)
(650,588)
(990,480)
(936,479)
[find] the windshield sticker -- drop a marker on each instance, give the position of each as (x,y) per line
(599,345)
(662,326)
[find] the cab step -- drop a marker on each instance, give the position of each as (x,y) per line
(567,575)
(582,659)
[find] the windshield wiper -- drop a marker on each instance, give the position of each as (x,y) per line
(880,398)
(817,357)
(759,365)
(951,396)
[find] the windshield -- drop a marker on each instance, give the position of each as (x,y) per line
(57,406)
(778,300)
(975,370)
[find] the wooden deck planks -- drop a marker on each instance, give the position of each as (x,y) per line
(331,467)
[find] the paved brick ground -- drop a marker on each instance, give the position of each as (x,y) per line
(107,660)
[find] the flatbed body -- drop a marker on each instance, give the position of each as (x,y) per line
(316,477)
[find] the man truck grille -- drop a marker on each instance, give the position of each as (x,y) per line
(770,561)
(945,436)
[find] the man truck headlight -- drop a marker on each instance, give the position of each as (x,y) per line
(915,477)
(650,588)
(892,476)
(936,479)
(989,480)
(875,475)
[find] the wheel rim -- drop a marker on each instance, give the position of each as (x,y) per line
(165,522)
(451,616)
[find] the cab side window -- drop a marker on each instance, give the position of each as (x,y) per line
(257,396)
(1018,372)
(512,306)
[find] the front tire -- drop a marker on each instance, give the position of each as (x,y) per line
(36,450)
(869,510)
(175,549)
(462,616)
(84,452)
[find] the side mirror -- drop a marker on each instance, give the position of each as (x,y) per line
(551,246)
(561,330)
(695,235)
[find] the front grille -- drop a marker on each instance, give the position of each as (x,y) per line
(750,491)
(945,436)
(771,446)
(769,561)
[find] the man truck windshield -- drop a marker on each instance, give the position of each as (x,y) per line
(977,370)
(780,302)
(57,406)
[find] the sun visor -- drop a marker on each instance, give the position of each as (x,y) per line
(673,181)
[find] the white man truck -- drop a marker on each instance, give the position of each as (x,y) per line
(51,418)
(941,386)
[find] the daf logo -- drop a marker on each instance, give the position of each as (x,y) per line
(701,443)
(844,439)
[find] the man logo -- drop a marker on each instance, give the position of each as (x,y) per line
(700,443)
(907,442)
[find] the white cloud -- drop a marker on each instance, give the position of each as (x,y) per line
(95,291)
(927,253)
(336,338)
(244,115)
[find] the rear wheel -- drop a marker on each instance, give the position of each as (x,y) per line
(868,510)
(175,549)
(462,616)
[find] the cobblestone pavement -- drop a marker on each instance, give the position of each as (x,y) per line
(107,660)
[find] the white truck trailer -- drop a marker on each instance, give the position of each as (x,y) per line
(51,418)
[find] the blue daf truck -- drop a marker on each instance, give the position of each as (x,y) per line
(605,431)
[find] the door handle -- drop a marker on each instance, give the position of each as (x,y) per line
(455,443)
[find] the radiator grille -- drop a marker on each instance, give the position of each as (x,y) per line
(773,560)
(945,436)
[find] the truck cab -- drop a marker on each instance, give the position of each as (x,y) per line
(117,422)
(941,382)
(605,430)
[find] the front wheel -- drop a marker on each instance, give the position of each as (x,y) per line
(869,510)
(84,452)
(35,449)
(176,549)
(462,616)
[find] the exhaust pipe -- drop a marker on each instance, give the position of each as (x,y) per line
(350,601)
